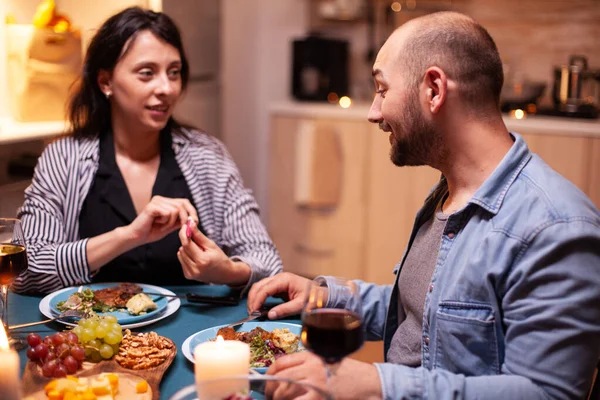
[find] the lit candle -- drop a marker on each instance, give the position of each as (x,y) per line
(10,385)
(220,359)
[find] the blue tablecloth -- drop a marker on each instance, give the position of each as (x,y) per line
(189,319)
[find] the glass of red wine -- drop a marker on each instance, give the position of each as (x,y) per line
(13,261)
(332,333)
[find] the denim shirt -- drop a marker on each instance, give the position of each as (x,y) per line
(513,309)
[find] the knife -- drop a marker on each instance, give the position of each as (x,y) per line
(262,313)
(198,298)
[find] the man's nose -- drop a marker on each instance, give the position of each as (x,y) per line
(375,112)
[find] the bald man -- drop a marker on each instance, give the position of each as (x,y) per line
(498,295)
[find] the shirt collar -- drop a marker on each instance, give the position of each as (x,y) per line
(492,192)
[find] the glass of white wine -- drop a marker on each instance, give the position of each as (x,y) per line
(13,261)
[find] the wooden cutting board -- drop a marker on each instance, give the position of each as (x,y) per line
(33,380)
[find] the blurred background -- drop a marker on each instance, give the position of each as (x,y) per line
(286,84)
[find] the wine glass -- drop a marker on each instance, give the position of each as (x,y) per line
(332,333)
(13,261)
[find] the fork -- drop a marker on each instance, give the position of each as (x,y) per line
(66,314)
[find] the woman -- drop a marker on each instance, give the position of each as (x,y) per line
(111,201)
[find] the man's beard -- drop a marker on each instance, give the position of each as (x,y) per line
(418,143)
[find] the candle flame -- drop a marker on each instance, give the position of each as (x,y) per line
(220,339)
(3,339)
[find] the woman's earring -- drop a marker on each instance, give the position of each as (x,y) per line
(108,94)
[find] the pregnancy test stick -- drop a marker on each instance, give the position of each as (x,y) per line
(188,231)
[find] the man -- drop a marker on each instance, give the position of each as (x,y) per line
(498,295)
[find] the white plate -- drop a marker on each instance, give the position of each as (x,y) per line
(187,348)
(172,306)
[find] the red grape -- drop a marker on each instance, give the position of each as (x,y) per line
(58,339)
(33,339)
(32,354)
(63,350)
(41,350)
(60,371)
(71,364)
(72,338)
(78,353)
(48,341)
(48,368)
(51,356)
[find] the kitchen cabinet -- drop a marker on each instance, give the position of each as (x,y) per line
(320,232)
(394,195)
(593,187)
(363,233)
(568,155)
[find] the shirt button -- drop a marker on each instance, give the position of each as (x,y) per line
(431,288)
(427,340)
(450,235)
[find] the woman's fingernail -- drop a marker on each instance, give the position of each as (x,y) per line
(272,314)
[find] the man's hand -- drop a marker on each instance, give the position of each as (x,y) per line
(202,260)
(352,380)
(160,217)
(291,287)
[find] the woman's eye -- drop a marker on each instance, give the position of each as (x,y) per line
(145,73)
(174,73)
(380,92)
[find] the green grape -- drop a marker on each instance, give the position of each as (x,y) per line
(81,322)
(105,324)
(77,330)
(110,318)
(106,351)
(94,344)
(101,331)
(91,323)
(87,335)
(112,338)
(115,348)
(116,328)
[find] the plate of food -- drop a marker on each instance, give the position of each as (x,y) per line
(133,371)
(128,302)
(268,340)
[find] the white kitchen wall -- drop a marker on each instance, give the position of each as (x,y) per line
(256,66)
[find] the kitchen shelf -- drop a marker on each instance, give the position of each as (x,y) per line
(12,131)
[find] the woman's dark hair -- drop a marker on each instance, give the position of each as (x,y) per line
(89,110)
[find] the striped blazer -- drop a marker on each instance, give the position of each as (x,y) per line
(63,177)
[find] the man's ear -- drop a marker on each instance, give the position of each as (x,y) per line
(436,88)
(104,82)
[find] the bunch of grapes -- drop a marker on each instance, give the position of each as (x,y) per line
(100,336)
(58,354)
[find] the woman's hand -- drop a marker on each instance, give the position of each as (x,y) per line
(202,260)
(159,218)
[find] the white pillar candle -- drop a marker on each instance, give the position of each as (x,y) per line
(220,359)
(10,385)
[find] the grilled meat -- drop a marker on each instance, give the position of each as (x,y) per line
(118,296)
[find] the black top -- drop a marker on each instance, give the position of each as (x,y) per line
(108,205)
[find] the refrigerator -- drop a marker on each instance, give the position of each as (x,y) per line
(199,24)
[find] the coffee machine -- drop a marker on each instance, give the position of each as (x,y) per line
(576,91)
(320,68)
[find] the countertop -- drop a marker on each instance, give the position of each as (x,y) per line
(530,124)
(12,131)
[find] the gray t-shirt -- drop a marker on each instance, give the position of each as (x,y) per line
(413,283)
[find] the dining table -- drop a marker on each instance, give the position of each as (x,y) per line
(189,319)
